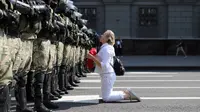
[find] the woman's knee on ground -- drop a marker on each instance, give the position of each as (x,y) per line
(106,98)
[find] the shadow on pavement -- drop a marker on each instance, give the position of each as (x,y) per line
(68,105)
(123,101)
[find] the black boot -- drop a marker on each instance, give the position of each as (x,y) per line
(5,98)
(53,85)
(52,97)
(46,87)
(83,75)
(60,92)
(38,87)
(61,81)
(64,90)
(55,93)
(80,70)
(69,88)
(20,94)
(57,86)
(29,87)
(71,81)
(39,107)
(72,77)
(67,84)
(48,103)
(77,71)
(76,80)
(21,99)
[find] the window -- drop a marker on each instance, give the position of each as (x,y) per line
(90,15)
(148,16)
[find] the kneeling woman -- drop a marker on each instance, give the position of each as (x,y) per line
(103,61)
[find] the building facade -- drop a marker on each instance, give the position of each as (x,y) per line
(147,27)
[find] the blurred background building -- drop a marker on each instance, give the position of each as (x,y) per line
(147,27)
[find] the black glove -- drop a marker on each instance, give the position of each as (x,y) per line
(11,18)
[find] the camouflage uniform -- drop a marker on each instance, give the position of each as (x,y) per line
(6,75)
(6,58)
(67,57)
(27,34)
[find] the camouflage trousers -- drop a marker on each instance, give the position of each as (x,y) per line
(82,56)
(77,55)
(52,58)
(41,55)
(6,75)
(67,55)
(26,52)
(59,53)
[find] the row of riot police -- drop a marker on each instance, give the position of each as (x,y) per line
(43,45)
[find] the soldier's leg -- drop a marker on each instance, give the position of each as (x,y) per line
(52,70)
(53,87)
(4,98)
(62,76)
(69,62)
(46,89)
(73,70)
(6,73)
(67,74)
(77,62)
(61,79)
(20,94)
(58,89)
(84,64)
(54,84)
(80,64)
(49,72)
(30,87)
(38,86)
(30,75)
(21,77)
(75,73)
(40,60)
(60,69)
(65,67)
(87,70)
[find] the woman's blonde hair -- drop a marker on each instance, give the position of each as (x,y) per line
(110,36)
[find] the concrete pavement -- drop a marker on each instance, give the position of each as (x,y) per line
(160,92)
(179,92)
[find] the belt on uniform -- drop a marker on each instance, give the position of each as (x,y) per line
(13,34)
(10,86)
(53,42)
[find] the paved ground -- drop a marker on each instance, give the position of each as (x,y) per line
(160,61)
(159,91)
